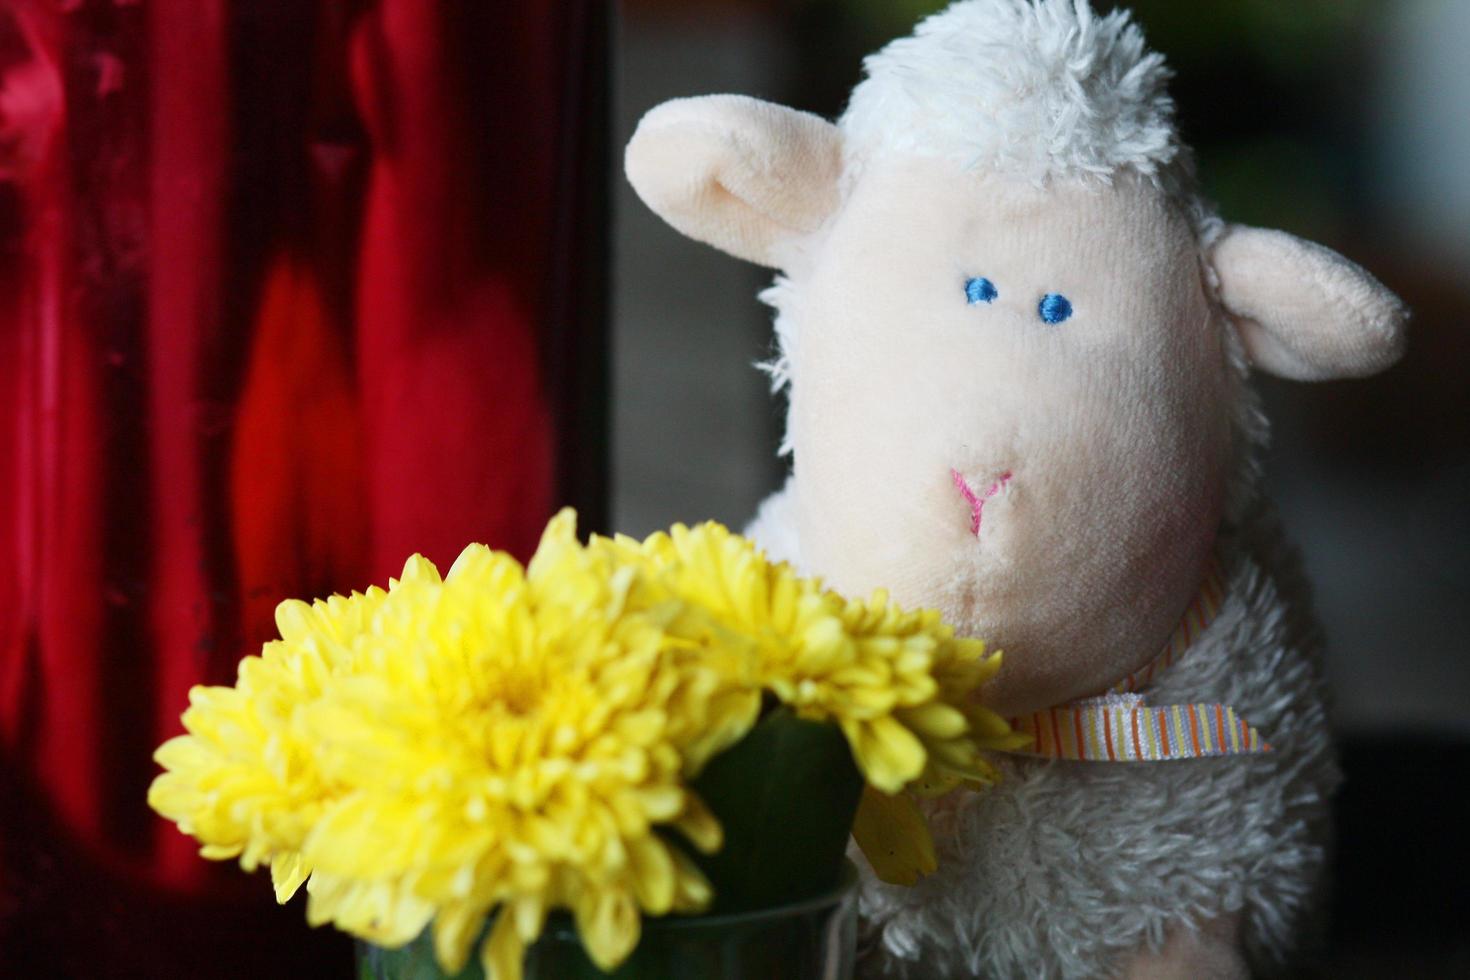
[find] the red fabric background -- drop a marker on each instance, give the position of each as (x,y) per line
(288,291)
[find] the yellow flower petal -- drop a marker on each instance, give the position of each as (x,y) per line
(607,922)
(456,926)
(935,720)
(288,871)
(699,825)
(894,837)
(692,891)
(653,874)
(503,955)
(888,754)
(418,569)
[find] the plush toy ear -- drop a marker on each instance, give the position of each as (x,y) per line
(737,173)
(1303,311)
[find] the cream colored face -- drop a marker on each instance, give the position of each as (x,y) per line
(1053,487)
(1094,451)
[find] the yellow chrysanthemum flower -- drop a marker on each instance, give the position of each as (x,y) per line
(900,684)
(505,741)
(245,780)
(456,747)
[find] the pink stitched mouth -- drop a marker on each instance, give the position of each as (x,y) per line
(975,500)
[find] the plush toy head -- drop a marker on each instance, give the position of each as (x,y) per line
(1013,335)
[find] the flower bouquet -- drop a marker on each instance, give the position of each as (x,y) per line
(462,769)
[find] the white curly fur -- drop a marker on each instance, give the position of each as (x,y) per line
(1033,873)
(1035,90)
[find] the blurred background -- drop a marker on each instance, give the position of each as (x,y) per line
(1344,121)
(288,292)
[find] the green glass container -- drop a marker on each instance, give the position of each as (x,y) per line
(812,938)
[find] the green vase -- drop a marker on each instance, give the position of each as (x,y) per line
(812,938)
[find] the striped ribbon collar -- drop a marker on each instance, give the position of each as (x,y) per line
(1118,725)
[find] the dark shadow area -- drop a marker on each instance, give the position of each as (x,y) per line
(67,912)
(1401,887)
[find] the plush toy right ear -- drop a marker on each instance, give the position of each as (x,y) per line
(743,175)
(1304,312)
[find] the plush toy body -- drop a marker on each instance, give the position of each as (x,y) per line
(1016,344)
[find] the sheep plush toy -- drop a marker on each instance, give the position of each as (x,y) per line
(1017,344)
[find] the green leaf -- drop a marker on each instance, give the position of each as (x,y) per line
(785,795)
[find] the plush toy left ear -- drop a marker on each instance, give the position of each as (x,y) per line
(1303,311)
(746,176)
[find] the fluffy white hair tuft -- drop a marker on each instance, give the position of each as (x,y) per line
(1037,89)
(1032,89)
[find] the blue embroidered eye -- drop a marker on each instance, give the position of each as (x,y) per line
(1054,308)
(980,290)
